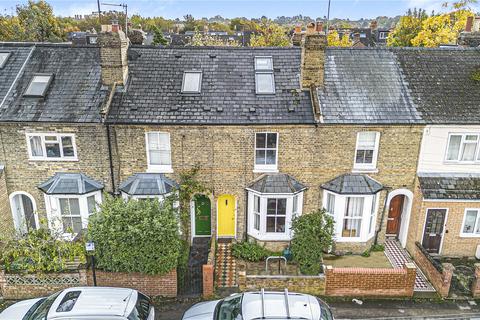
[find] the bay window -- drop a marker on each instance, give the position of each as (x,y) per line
(51,146)
(471,223)
(270,215)
(463,148)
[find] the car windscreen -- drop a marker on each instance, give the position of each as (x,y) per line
(41,310)
(326,313)
(141,311)
(230,308)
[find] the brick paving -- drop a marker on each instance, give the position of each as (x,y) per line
(398,257)
(225,268)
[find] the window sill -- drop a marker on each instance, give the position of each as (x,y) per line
(356,239)
(364,170)
(465,235)
(54,159)
(270,237)
(160,169)
(265,170)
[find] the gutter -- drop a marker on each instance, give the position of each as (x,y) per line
(18,76)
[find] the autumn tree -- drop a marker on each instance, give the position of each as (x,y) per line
(200,40)
(38,22)
(334,39)
(407,28)
(270,34)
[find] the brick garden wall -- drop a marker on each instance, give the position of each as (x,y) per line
(476,282)
(440,280)
(370,282)
(151,285)
(314,285)
(208,271)
(16,286)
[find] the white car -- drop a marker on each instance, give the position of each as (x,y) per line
(261,305)
(86,303)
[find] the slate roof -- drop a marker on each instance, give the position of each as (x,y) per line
(450,186)
(441,84)
(353,183)
(227,95)
(147,184)
(276,183)
(70,183)
(18,54)
(75,94)
(401,86)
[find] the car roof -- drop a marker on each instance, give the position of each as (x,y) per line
(96,301)
(301,306)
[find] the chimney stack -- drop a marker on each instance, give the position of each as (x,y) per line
(373,25)
(313,57)
(319,26)
(468,27)
(471,36)
(113,54)
(297,36)
(356,37)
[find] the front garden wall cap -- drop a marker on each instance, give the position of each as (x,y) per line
(450,186)
(276,183)
(70,183)
(352,183)
(148,184)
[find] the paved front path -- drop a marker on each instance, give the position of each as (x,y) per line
(225,266)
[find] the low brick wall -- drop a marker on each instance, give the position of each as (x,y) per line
(26,286)
(151,285)
(305,284)
(208,272)
(476,282)
(439,276)
(370,282)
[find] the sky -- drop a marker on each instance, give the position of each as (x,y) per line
(352,9)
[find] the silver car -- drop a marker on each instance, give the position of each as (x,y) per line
(86,303)
(261,305)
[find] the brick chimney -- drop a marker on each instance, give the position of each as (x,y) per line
(471,36)
(113,54)
(373,25)
(313,57)
(468,27)
(297,36)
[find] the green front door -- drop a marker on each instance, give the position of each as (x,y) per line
(202,215)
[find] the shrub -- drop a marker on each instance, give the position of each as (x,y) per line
(40,251)
(377,248)
(313,234)
(136,236)
(250,251)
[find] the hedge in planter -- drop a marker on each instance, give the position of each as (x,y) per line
(313,234)
(136,236)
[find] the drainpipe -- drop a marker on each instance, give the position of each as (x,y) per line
(245,232)
(110,159)
(388,189)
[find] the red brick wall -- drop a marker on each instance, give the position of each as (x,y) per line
(38,285)
(476,282)
(440,280)
(370,282)
(151,285)
(208,284)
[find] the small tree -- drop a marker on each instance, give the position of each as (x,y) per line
(334,40)
(313,234)
(158,38)
(136,236)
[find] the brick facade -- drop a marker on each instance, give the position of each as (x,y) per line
(441,281)
(22,174)
(476,282)
(151,285)
(370,282)
(453,244)
(313,155)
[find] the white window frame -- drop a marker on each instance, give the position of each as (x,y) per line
(367,167)
(47,86)
(475,227)
(44,151)
(262,234)
(382,35)
(7,56)
(199,81)
(158,168)
(54,214)
(340,210)
(476,159)
(269,71)
(265,167)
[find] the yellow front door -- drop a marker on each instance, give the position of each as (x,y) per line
(226,216)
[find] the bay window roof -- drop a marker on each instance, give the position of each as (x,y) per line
(148,184)
(351,183)
(276,183)
(70,183)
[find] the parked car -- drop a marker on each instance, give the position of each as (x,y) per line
(261,305)
(84,303)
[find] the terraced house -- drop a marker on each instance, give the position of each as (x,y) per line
(276,133)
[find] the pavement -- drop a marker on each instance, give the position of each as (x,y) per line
(370,309)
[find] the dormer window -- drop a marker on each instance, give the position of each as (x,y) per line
(264,79)
(38,85)
(192,82)
(3,58)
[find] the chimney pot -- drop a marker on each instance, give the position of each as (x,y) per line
(298,29)
(319,26)
(311,28)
